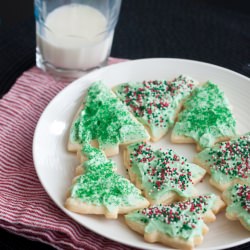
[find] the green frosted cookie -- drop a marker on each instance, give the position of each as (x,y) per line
(163,176)
(180,225)
(100,190)
(156,103)
(206,118)
(237,198)
(227,162)
(104,121)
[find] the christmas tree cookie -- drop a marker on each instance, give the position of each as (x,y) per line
(90,157)
(227,162)
(102,191)
(179,225)
(163,176)
(206,118)
(105,122)
(156,103)
(237,198)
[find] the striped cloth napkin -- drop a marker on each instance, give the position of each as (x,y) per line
(25,207)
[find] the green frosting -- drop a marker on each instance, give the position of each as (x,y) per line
(105,119)
(99,185)
(239,196)
(162,172)
(228,161)
(154,103)
(206,116)
(181,219)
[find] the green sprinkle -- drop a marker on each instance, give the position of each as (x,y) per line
(99,185)
(206,116)
(105,119)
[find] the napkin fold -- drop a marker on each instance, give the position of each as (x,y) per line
(25,207)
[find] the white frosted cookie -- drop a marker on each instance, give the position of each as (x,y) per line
(227,162)
(156,103)
(163,177)
(237,198)
(105,122)
(102,191)
(206,118)
(179,225)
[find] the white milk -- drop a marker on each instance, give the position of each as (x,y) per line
(75,38)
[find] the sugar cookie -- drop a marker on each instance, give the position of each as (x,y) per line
(206,118)
(105,122)
(156,103)
(102,191)
(163,176)
(227,162)
(237,198)
(180,225)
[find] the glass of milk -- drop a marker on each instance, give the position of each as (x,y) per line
(74,37)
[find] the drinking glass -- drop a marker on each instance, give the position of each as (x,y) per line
(74,36)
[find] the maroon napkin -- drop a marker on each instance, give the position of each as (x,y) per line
(25,207)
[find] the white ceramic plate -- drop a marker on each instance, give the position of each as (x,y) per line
(55,166)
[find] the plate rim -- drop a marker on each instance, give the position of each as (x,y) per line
(100,71)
